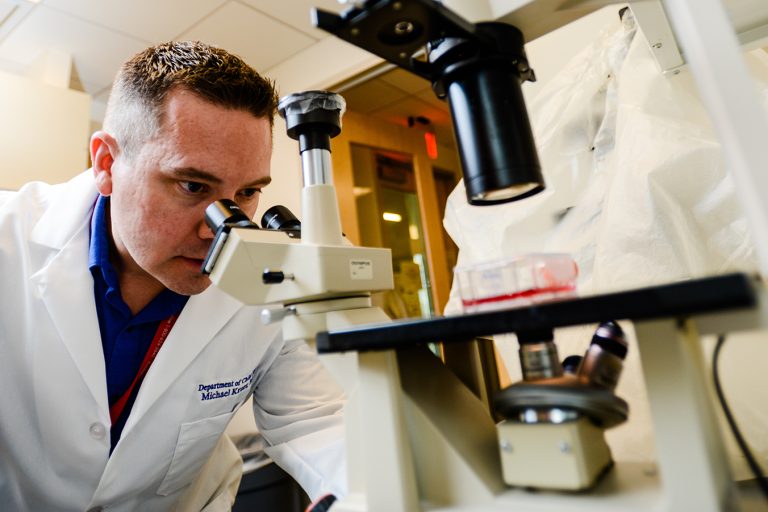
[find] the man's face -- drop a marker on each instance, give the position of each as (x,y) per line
(202,153)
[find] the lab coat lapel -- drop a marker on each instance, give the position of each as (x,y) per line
(202,318)
(65,283)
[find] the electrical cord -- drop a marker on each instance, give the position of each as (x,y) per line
(753,465)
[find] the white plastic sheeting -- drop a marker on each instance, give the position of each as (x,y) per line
(639,194)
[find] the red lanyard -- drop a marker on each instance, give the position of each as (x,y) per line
(160,335)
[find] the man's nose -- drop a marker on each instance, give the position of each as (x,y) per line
(204,232)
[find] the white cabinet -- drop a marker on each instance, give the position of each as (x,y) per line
(44,131)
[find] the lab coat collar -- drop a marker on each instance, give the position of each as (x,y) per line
(66,286)
(65,283)
(67,212)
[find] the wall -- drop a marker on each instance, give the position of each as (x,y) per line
(317,68)
(550,53)
(359,130)
(44,131)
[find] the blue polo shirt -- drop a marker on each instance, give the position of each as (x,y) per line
(125,338)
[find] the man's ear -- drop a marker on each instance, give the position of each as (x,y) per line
(103,152)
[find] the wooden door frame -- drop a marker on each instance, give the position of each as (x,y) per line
(363,130)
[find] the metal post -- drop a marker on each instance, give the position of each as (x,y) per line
(711,49)
(691,454)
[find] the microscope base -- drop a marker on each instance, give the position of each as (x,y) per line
(564,456)
(629,487)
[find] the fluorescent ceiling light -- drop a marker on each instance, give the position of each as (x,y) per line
(392,217)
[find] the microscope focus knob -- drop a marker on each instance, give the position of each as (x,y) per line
(274,276)
(270,316)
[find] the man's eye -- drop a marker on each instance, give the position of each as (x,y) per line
(192,187)
(250,192)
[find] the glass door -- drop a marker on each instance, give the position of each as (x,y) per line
(388,216)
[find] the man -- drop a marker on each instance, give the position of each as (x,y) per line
(120,366)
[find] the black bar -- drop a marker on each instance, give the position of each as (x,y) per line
(731,291)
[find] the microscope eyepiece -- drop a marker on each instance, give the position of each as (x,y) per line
(221,216)
(226,212)
(280,217)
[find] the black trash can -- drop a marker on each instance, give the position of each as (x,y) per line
(270,489)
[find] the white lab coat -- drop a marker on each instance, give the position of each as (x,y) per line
(54,415)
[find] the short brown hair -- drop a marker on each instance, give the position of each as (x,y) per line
(135,107)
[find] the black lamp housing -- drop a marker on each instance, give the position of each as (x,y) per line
(478,68)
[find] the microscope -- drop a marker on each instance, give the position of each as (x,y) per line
(309,277)
(321,283)
(417,438)
(556,422)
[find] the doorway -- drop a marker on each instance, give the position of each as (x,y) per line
(387,205)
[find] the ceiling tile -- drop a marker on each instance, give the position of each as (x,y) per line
(12,67)
(407,81)
(443,131)
(296,13)
(414,107)
(259,40)
(150,20)
(97,53)
(430,97)
(371,95)
(399,112)
(12,12)
(7,8)
(747,14)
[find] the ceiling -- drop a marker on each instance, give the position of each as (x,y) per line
(394,95)
(101,34)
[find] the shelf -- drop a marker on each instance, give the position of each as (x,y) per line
(749,19)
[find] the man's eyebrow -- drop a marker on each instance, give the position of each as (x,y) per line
(261,182)
(194,174)
(191,173)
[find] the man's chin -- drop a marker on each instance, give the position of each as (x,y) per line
(190,287)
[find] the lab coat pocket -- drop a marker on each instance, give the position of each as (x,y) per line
(196,441)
